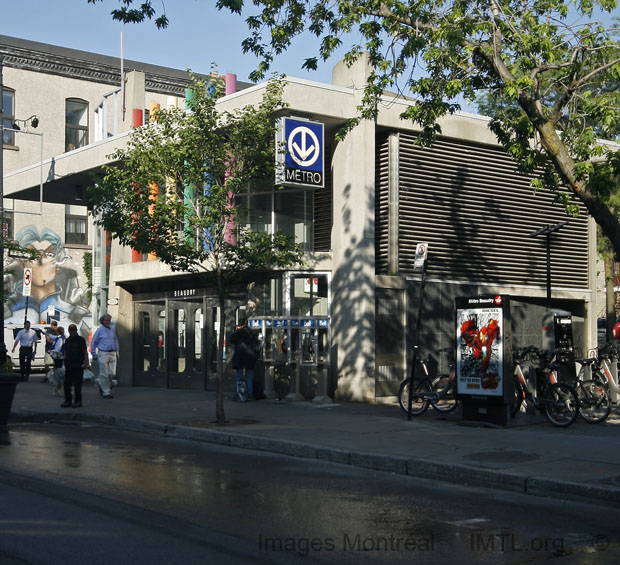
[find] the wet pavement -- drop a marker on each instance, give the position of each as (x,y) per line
(580,463)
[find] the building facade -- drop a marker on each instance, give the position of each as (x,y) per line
(344,324)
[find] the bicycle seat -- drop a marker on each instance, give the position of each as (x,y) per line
(587,362)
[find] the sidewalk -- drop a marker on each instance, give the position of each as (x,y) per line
(531,456)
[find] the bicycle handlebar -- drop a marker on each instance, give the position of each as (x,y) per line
(541,354)
(609,350)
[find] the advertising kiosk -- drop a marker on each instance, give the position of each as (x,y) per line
(484,368)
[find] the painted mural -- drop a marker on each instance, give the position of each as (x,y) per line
(58,283)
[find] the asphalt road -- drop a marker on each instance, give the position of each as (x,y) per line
(79,493)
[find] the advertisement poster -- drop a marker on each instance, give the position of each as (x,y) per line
(480,347)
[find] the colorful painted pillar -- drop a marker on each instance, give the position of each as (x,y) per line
(137,119)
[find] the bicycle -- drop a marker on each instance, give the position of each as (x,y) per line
(607,354)
(440,393)
(593,394)
(558,401)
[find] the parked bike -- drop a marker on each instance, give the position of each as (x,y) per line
(558,401)
(440,392)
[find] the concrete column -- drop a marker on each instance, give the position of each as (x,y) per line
(353,244)
(135,85)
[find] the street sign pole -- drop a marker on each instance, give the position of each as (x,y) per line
(26,288)
(421,260)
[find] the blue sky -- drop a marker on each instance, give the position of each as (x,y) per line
(197,36)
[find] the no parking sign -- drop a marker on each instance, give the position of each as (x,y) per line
(27,282)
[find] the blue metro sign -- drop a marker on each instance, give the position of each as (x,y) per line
(300,160)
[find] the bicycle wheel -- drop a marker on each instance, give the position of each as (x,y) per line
(561,404)
(519,396)
(447,402)
(418,405)
(594,401)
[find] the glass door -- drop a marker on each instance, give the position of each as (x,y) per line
(150,366)
(187,359)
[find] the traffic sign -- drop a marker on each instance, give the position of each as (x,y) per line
(26,288)
(421,253)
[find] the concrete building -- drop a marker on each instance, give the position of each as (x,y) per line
(344,323)
(62,106)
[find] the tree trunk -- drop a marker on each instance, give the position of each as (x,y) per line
(219,378)
(565,166)
(610,298)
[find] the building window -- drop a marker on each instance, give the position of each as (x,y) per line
(8,108)
(7,225)
(76,124)
(76,230)
(289,212)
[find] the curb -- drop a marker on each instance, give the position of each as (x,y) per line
(412,467)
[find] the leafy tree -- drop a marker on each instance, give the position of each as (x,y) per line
(174,193)
(545,62)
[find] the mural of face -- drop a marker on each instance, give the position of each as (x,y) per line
(56,290)
(44,271)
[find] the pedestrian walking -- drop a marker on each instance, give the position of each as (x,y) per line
(50,340)
(245,357)
(27,340)
(104,347)
(57,377)
(76,360)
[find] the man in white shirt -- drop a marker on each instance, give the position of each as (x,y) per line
(27,340)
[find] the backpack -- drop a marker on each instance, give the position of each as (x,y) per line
(58,353)
(252,349)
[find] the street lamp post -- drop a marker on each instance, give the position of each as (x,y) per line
(547,231)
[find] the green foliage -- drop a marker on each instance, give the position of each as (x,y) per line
(174,193)
(7,366)
(548,69)
(174,190)
(144,11)
(87,265)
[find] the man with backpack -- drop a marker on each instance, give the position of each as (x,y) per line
(57,378)
(246,354)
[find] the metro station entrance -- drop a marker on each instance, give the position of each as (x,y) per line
(175,343)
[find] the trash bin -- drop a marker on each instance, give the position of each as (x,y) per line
(8,382)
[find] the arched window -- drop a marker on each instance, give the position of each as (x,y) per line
(76,123)
(8,109)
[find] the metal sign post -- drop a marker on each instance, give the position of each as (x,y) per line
(547,231)
(421,260)
(26,288)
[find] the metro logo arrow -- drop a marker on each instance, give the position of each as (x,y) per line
(306,155)
(303,152)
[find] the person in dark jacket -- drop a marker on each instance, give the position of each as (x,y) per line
(244,358)
(76,360)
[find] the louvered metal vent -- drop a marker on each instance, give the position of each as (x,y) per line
(382,202)
(323,215)
(477,213)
